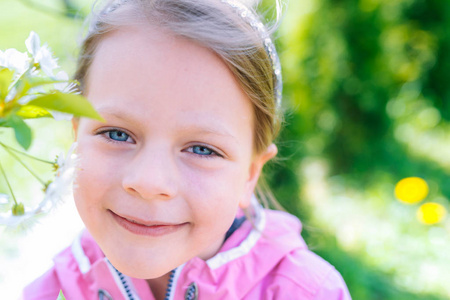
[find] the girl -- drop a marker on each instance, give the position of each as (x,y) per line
(190,91)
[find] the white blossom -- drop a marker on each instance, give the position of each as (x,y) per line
(64,87)
(33,43)
(46,60)
(41,54)
(54,194)
(20,222)
(62,184)
(15,60)
(4,202)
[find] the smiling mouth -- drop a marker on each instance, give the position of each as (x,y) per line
(139,227)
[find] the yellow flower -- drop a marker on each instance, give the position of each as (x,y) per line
(431,213)
(411,190)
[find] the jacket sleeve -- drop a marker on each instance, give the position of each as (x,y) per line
(333,288)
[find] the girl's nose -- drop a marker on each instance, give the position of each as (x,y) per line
(151,175)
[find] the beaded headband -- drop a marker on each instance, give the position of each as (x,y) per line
(269,46)
(250,18)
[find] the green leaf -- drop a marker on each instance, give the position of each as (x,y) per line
(21,130)
(61,296)
(68,103)
(31,82)
(6,76)
(32,112)
(4,122)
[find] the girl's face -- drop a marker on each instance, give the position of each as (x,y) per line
(161,180)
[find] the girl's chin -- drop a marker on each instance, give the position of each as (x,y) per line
(143,271)
(148,276)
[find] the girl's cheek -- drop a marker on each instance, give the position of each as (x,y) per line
(91,165)
(203,175)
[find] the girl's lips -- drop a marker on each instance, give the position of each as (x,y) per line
(146,228)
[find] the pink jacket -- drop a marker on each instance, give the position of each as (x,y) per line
(269,260)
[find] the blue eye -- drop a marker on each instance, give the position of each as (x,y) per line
(117,135)
(202,150)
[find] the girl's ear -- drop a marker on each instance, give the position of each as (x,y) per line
(254,173)
(75,122)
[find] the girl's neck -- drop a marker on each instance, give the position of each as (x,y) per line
(158,286)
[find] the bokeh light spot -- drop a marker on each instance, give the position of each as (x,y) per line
(431,213)
(411,190)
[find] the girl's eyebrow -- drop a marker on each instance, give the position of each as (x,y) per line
(209,131)
(111,111)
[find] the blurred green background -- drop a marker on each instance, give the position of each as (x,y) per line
(367,104)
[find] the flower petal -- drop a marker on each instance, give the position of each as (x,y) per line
(4,198)
(60,116)
(16,60)
(4,203)
(46,60)
(33,43)
(62,76)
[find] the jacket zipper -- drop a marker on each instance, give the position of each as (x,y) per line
(127,289)
(170,284)
(125,284)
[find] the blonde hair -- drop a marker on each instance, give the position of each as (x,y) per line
(211,24)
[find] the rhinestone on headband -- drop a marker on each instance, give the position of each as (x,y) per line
(269,46)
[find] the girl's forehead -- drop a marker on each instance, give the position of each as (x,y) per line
(155,53)
(154,40)
(165,77)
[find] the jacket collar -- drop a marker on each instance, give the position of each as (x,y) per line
(249,254)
